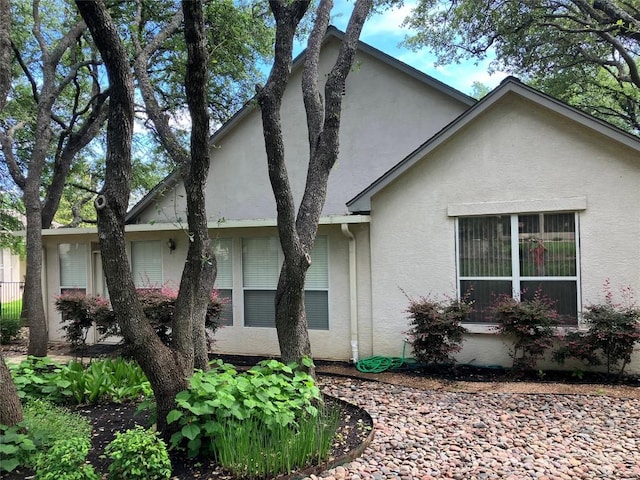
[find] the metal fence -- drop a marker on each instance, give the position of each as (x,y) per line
(11,299)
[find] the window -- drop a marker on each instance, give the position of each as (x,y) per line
(543,256)
(261,261)
(224,278)
(146,263)
(73,267)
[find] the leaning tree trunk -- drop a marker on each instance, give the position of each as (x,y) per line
(10,408)
(166,369)
(198,276)
(298,232)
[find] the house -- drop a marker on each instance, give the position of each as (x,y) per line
(429,190)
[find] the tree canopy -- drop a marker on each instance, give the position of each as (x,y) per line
(586,53)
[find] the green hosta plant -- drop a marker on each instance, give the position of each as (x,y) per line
(270,392)
(138,454)
(113,380)
(65,460)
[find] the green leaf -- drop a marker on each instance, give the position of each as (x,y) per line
(173,416)
(190,431)
(9,464)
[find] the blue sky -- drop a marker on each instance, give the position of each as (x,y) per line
(384,32)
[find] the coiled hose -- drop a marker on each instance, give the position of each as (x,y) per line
(378,364)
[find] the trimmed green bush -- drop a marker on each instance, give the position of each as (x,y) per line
(9,329)
(65,460)
(138,454)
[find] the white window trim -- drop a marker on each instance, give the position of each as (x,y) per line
(512,207)
(474,327)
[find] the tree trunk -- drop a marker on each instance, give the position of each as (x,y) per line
(10,408)
(5,51)
(198,276)
(167,368)
(33,295)
(298,232)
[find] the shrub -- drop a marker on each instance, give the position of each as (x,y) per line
(80,312)
(271,393)
(530,322)
(65,460)
(9,329)
(436,332)
(613,330)
(138,454)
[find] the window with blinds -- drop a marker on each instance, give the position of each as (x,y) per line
(519,255)
(73,267)
(146,264)
(224,278)
(261,261)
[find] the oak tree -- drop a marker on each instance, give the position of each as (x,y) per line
(584,52)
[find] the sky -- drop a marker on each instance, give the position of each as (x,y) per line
(385,32)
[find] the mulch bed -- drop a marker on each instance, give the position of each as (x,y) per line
(110,418)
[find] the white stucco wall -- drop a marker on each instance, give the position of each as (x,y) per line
(519,152)
(386,114)
(238,339)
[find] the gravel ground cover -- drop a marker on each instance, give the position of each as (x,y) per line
(427,434)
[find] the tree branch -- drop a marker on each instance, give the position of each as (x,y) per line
(6,142)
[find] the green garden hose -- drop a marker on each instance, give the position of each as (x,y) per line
(378,364)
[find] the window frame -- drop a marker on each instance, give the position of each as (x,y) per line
(133,260)
(516,279)
(272,288)
(64,289)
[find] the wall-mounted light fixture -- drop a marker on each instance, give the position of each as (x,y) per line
(171,245)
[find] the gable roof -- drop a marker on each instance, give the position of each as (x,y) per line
(332,33)
(361,203)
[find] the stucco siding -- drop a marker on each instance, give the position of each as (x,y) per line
(386,114)
(333,343)
(518,152)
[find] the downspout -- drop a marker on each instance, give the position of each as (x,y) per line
(353,292)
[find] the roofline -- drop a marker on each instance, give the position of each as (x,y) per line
(225,224)
(362,201)
(332,31)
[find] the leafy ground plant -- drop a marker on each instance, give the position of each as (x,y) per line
(138,454)
(270,392)
(43,425)
(113,380)
(15,447)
